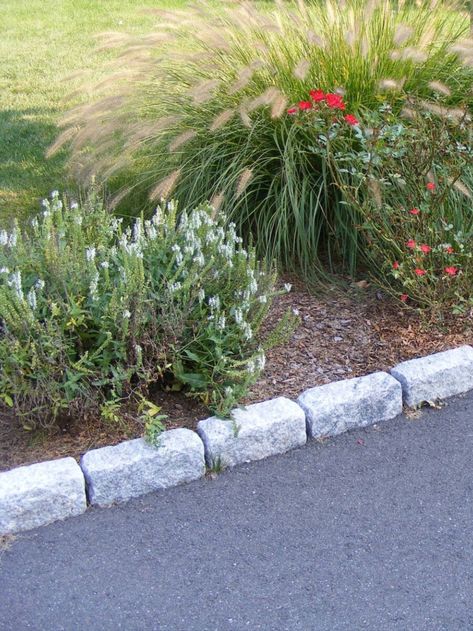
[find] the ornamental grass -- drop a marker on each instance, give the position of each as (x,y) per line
(201,110)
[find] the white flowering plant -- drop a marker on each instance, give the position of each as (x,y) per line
(93,311)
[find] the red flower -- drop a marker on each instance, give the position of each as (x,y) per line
(305,105)
(351,120)
(335,101)
(420,272)
(395,265)
(411,244)
(449,250)
(414,211)
(430,186)
(292,110)
(404,297)
(425,248)
(451,270)
(317,95)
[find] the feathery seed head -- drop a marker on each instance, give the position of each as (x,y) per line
(164,188)
(222,119)
(243,181)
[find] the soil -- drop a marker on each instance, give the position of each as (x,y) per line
(342,334)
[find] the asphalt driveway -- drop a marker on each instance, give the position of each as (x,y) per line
(370,530)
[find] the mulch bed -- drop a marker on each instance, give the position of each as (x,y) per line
(343,334)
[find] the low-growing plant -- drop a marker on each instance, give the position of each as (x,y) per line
(201,108)
(154,422)
(93,312)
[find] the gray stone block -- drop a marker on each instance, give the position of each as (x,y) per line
(436,376)
(343,405)
(39,494)
(255,432)
(133,468)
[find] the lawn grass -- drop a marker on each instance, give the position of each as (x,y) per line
(43,42)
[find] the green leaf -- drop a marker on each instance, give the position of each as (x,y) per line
(193,356)
(193,379)
(7,399)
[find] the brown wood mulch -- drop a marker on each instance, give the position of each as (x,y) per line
(342,334)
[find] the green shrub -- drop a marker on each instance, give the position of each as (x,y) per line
(203,113)
(91,312)
(408,186)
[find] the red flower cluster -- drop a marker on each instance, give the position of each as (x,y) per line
(331,99)
(305,105)
(334,101)
(414,211)
(351,120)
(451,270)
(425,249)
(317,95)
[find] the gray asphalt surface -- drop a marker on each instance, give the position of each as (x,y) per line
(370,530)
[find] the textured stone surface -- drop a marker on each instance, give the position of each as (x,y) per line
(343,405)
(255,432)
(437,376)
(40,493)
(133,468)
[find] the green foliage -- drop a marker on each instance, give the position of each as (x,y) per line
(154,421)
(209,121)
(215,467)
(92,312)
(408,184)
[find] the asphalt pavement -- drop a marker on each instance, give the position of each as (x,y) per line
(369,530)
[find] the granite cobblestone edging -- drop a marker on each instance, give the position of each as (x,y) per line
(255,432)
(133,468)
(38,494)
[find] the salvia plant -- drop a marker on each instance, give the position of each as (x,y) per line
(92,311)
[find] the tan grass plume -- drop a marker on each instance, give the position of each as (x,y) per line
(182,139)
(302,69)
(460,186)
(245,118)
(64,137)
(440,87)
(203,92)
(216,203)
(113,203)
(315,39)
(165,187)
(222,119)
(279,106)
(402,34)
(244,180)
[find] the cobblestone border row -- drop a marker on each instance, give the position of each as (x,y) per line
(38,494)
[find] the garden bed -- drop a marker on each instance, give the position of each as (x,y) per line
(342,334)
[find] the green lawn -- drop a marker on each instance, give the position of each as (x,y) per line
(42,43)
